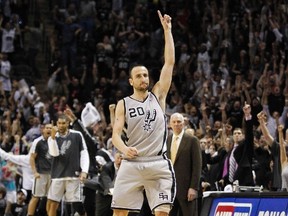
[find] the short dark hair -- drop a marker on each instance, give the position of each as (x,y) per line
(63,116)
(238,128)
(133,66)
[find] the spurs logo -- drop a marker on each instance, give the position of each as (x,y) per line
(65,146)
(150,117)
(48,156)
(163,196)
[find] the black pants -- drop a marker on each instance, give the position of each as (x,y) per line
(184,208)
(103,205)
(89,202)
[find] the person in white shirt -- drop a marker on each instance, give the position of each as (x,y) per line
(23,162)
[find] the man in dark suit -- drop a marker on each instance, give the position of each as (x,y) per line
(187,166)
(104,194)
(92,146)
(244,151)
(106,180)
(240,155)
(216,165)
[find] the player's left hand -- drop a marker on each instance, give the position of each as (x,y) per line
(82,176)
(247,109)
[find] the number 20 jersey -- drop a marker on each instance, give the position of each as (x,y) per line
(146,126)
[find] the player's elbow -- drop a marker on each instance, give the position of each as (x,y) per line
(53,152)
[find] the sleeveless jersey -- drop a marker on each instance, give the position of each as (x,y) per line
(146,126)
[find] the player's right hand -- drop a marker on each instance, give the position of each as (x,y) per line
(165,20)
(36,175)
(112,107)
(54,131)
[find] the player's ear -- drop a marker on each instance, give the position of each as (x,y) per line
(131,81)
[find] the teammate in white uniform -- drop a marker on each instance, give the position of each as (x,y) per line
(145,165)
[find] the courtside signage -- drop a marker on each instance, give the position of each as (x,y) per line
(233,209)
(249,207)
(273,207)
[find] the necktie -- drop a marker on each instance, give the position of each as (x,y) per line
(225,169)
(232,166)
(174,148)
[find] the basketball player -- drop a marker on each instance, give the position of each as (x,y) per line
(145,165)
(40,162)
(71,157)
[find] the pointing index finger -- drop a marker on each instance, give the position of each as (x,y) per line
(159,14)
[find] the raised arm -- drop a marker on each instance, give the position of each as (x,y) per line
(248,128)
(162,87)
(283,157)
(20,160)
(264,129)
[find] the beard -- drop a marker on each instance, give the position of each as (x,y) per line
(62,131)
(142,88)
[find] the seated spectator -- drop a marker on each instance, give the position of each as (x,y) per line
(19,208)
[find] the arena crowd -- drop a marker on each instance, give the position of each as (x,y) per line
(228,54)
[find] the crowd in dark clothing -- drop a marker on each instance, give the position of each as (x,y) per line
(227,53)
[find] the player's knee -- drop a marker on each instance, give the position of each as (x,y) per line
(51,205)
(79,207)
(48,204)
(118,212)
(165,209)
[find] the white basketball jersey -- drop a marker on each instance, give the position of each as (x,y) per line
(146,126)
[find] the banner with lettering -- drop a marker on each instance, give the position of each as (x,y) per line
(230,206)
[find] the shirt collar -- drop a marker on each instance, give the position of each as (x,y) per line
(179,135)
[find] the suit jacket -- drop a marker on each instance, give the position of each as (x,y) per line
(219,159)
(91,144)
(216,167)
(243,155)
(187,165)
(277,179)
(106,178)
